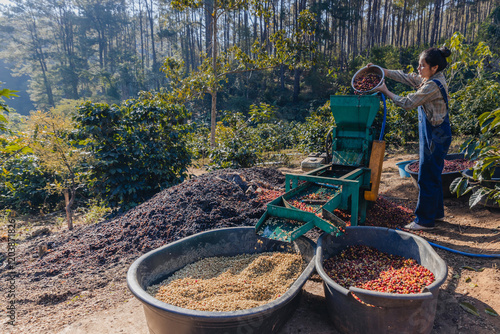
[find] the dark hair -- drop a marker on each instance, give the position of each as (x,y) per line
(435,56)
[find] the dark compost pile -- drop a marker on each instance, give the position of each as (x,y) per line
(83,259)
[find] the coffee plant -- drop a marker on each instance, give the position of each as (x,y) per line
(466,105)
(486,151)
(197,141)
(235,147)
(139,147)
(401,125)
(23,186)
(312,133)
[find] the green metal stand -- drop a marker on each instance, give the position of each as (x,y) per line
(352,139)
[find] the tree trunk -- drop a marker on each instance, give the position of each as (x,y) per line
(403,20)
(369,31)
(384,22)
(69,212)
(435,26)
(141,33)
(282,77)
(208,24)
(155,67)
(213,114)
(296,85)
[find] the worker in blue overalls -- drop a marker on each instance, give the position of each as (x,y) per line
(434,130)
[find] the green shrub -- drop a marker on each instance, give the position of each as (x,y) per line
(312,133)
(198,141)
(139,147)
(235,144)
(401,125)
(486,151)
(23,186)
(466,105)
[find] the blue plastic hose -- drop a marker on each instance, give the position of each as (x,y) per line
(494,256)
(382,132)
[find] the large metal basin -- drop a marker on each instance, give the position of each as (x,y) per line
(156,265)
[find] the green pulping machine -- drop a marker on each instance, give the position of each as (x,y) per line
(347,182)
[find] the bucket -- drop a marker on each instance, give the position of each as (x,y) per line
(155,266)
(386,312)
(401,168)
(363,72)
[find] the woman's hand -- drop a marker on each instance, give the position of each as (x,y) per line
(382,88)
(383,69)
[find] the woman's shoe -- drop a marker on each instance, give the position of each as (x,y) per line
(416,227)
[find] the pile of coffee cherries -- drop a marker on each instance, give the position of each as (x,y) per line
(368,268)
(450,166)
(367,82)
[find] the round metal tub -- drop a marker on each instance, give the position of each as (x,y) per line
(366,70)
(158,264)
(381,312)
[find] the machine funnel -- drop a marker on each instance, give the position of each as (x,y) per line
(354,112)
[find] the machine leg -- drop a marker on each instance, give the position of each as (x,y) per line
(362,211)
(354,207)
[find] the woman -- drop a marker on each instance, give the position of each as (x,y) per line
(434,130)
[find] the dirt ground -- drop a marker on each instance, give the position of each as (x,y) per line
(112,308)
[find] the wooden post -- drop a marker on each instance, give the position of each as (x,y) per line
(376,162)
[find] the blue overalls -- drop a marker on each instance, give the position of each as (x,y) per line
(434,143)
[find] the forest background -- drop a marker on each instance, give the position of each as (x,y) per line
(118,98)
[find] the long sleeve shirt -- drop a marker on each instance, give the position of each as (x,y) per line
(428,94)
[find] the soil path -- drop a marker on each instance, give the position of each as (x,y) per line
(113,309)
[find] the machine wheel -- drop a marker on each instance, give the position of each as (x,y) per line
(329,146)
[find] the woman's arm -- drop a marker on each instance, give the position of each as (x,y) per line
(383,89)
(412,80)
(428,92)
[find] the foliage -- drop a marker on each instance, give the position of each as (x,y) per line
(234,145)
(465,62)
(242,141)
(139,148)
(486,151)
(7,93)
(386,56)
(60,155)
(489,30)
(294,52)
(96,212)
(276,136)
(22,181)
(263,113)
(23,185)
(401,125)
(197,141)
(466,105)
(57,150)
(312,133)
